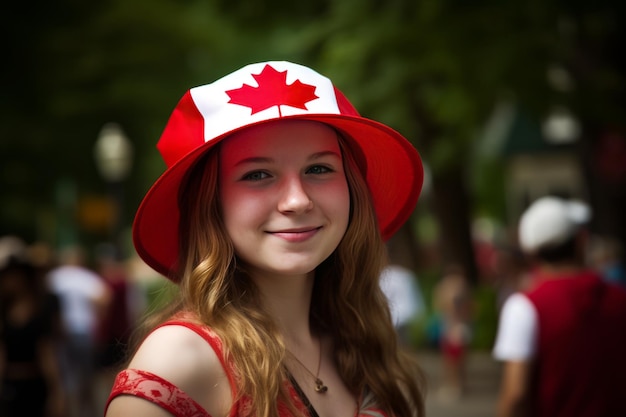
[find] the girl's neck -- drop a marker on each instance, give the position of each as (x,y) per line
(288,300)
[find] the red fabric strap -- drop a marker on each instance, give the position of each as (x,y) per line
(157,390)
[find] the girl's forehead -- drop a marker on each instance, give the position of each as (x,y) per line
(289,136)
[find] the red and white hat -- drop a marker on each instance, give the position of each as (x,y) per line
(256,94)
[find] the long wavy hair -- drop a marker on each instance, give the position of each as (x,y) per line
(347,302)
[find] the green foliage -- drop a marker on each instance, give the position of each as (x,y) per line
(488,185)
(433,70)
(485,317)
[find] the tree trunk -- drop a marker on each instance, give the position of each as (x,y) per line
(403,247)
(449,200)
(451,207)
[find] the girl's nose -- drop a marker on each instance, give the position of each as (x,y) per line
(294,198)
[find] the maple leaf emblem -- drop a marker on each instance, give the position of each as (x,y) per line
(273,90)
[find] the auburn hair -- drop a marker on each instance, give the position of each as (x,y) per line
(346,293)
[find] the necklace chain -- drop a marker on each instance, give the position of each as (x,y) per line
(320,388)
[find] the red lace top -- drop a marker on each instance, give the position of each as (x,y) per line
(168,396)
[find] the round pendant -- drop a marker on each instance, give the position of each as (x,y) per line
(320,387)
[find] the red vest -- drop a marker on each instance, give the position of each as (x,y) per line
(580,367)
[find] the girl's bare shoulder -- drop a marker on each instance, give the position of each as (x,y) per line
(178,352)
(184,358)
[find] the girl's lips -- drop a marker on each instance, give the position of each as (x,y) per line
(296,236)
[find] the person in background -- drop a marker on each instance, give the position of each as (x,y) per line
(271,218)
(30,377)
(452,301)
(118,320)
(84,297)
(607,257)
(401,287)
(563,339)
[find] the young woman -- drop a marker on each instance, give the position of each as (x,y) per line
(271,218)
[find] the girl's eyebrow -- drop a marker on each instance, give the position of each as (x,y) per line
(263,159)
(322,154)
(254,159)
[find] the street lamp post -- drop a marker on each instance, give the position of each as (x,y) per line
(113,154)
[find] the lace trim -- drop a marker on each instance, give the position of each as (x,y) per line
(157,390)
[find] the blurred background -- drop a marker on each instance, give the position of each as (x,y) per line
(506,102)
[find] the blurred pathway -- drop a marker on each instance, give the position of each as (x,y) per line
(483,376)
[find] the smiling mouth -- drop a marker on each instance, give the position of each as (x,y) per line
(295,236)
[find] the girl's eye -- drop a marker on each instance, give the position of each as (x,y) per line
(318,169)
(255,176)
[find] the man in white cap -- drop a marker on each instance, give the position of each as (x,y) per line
(563,340)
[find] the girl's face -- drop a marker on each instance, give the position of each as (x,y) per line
(284,195)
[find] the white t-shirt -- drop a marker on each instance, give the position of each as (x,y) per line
(77,289)
(403,294)
(516,339)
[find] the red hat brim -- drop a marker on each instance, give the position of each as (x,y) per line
(393,172)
